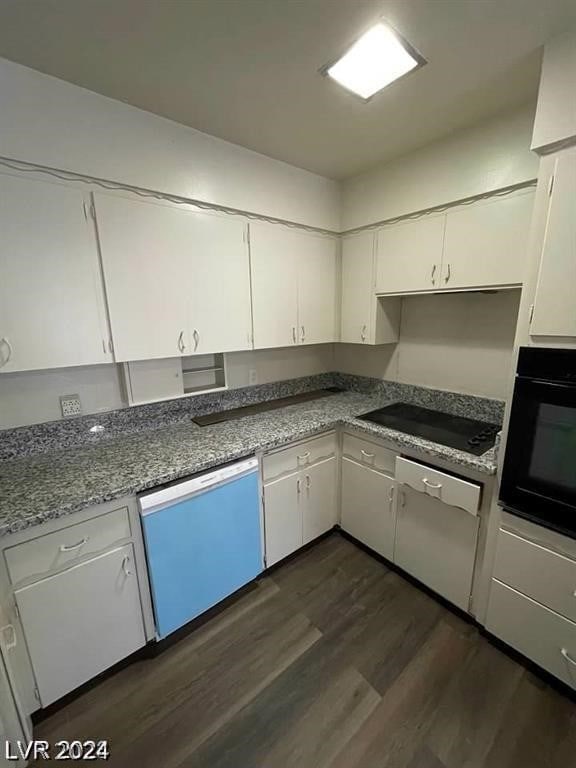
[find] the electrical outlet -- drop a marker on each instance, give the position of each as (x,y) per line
(252,376)
(70,405)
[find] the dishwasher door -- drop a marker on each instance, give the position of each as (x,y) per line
(203,541)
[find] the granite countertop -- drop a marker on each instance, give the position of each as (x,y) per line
(34,489)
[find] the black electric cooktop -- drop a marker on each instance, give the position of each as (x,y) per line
(458,432)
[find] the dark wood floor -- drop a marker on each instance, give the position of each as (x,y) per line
(333,660)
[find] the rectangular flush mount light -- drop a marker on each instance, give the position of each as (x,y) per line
(378,58)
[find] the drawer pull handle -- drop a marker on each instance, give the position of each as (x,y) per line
(71,547)
(304,456)
(567,656)
(428,484)
(366,454)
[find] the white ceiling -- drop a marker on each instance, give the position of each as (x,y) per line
(247,70)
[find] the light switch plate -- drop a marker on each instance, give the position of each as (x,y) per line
(70,405)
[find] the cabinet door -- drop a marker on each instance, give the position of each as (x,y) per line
(316,289)
(220,311)
(487,243)
(147,253)
(274,252)
(81,621)
(283,517)
(357,288)
(368,507)
(52,310)
(436,543)
(555,302)
(409,256)
(319,495)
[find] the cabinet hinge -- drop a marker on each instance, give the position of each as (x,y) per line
(551,185)
(531,314)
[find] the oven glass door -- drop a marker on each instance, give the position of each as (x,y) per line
(539,476)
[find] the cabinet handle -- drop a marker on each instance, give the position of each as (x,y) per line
(402,498)
(363,333)
(433,274)
(196,339)
(294,334)
(567,656)
(307,482)
(428,484)
(447,278)
(181,346)
(72,547)
(303,332)
(13,642)
(366,454)
(298,487)
(391,495)
(6,343)
(303,456)
(127,571)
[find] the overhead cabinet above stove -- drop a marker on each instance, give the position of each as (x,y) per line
(470,247)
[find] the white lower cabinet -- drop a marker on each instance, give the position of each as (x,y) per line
(283,517)
(368,506)
(81,621)
(318,499)
(436,543)
(539,633)
(299,505)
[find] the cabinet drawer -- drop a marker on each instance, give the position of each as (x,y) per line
(297,456)
(521,564)
(447,488)
(54,550)
(540,634)
(370,454)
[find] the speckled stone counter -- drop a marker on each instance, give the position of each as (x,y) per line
(43,486)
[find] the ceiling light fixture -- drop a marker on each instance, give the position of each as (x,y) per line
(374,61)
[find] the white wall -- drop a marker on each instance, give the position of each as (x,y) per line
(51,122)
(459,342)
(34,397)
(488,156)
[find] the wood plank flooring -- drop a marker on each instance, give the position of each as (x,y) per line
(332,661)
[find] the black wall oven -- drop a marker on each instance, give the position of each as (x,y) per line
(539,474)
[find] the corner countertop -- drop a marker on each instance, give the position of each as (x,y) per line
(43,487)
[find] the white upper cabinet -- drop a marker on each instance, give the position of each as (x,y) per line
(293,286)
(52,310)
(220,314)
(474,246)
(317,271)
(555,120)
(365,319)
(146,254)
(486,243)
(177,280)
(409,256)
(555,301)
(273,257)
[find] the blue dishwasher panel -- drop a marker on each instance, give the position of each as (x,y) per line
(202,549)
